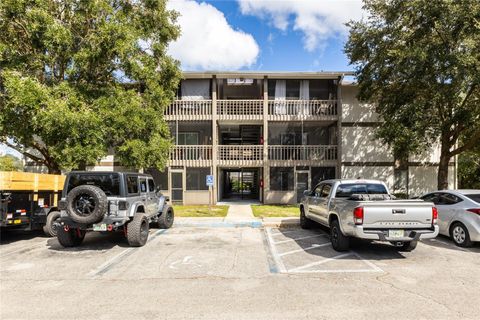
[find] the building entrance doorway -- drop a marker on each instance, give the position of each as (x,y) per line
(240,184)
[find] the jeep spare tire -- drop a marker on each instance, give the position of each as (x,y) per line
(87,204)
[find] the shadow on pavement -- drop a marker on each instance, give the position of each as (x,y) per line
(8,236)
(94,241)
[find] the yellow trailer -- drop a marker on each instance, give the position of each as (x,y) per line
(28,200)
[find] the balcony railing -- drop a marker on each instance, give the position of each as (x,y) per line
(241,153)
(239,107)
(302,153)
(188,108)
(191,152)
(302,107)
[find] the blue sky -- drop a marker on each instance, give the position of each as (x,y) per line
(286,35)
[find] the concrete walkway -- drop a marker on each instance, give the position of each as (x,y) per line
(239,212)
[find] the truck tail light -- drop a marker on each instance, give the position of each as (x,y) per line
(475,210)
(358,215)
(434,215)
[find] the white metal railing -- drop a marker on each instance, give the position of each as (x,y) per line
(241,152)
(189,108)
(191,152)
(240,107)
(303,107)
(304,152)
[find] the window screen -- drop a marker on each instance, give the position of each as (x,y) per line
(197,178)
(281,179)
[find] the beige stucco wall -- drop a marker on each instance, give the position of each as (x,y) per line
(424,179)
(431,155)
(284,197)
(383,173)
(353,110)
(195,197)
(359,144)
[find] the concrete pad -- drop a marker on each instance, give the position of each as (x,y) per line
(239,212)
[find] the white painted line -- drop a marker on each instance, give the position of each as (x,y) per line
(317,263)
(289,240)
(287,232)
(369,263)
(450,245)
(273,250)
(314,246)
(336,271)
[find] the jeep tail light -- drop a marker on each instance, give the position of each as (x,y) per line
(434,215)
(358,215)
(122,205)
(475,210)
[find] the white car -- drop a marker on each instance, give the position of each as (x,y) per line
(458,214)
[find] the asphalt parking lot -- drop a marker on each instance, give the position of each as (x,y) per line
(235,273)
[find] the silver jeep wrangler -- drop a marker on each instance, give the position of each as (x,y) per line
(111,201)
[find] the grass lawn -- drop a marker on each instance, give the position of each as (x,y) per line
(266,211)
(195,211)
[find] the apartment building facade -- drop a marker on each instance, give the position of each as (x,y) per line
(269,136)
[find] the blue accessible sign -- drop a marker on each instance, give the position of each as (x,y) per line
(209,180)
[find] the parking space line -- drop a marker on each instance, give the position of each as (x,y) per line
(105,267)
(450,245)
(285,232)
(273,248)
(317,263)
(336,271)
(308,237)
(369,263)
(314,246)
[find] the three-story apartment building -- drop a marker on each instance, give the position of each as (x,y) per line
(268,136)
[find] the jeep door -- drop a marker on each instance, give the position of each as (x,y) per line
(152,198)
(144,195)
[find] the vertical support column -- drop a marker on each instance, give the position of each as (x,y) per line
(214,140)
(339,128)
(266,171)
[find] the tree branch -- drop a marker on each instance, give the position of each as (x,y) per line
(29,155)
(472,142)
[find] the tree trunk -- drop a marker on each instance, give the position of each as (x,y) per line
(53,168)
(442,178)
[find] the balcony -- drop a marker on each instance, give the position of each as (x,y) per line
(189,110)
(302,153)
(240,155)
(240,109)
(302,109)
(191,156)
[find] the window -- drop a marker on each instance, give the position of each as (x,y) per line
(197,178)
(346,190)
(474,197)
(281,179)
(151,185)
(322,173)
(109,183)
(132,184)
(318,190)
(160,178)
(321,89)
(448,199)
(187,138)
(143,185)
(293,89)
(325,191)
(432,197)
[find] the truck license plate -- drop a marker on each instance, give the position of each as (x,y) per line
(395,233)
(100,227)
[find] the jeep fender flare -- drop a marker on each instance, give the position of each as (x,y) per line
(138,206)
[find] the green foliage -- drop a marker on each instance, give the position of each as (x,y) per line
(469,170)
(10,163)
(81,78)
(420,62)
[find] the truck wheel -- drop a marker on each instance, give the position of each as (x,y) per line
(408,246)
(87,204)
(50,227)
(70,238)
(305,223)
(165,220)
(460,236)
(340,242)
(137,230)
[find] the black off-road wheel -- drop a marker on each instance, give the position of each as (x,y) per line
(50,227)
(305,223)
(137,230)
(87,204)
(340,242)
(71,237)
(165,220)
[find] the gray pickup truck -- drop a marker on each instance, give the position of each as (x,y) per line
(365,209)
(111,201)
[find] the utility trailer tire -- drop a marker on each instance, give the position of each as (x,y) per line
(50,228)
(70,238)
(87,204)
(137,230)
(165,220)
(340,242)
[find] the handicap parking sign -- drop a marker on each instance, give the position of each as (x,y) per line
(210,180)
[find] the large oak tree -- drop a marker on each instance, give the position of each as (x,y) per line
(81,78)
(419,61)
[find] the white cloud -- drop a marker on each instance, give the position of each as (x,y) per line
(207,41)
(318,20)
